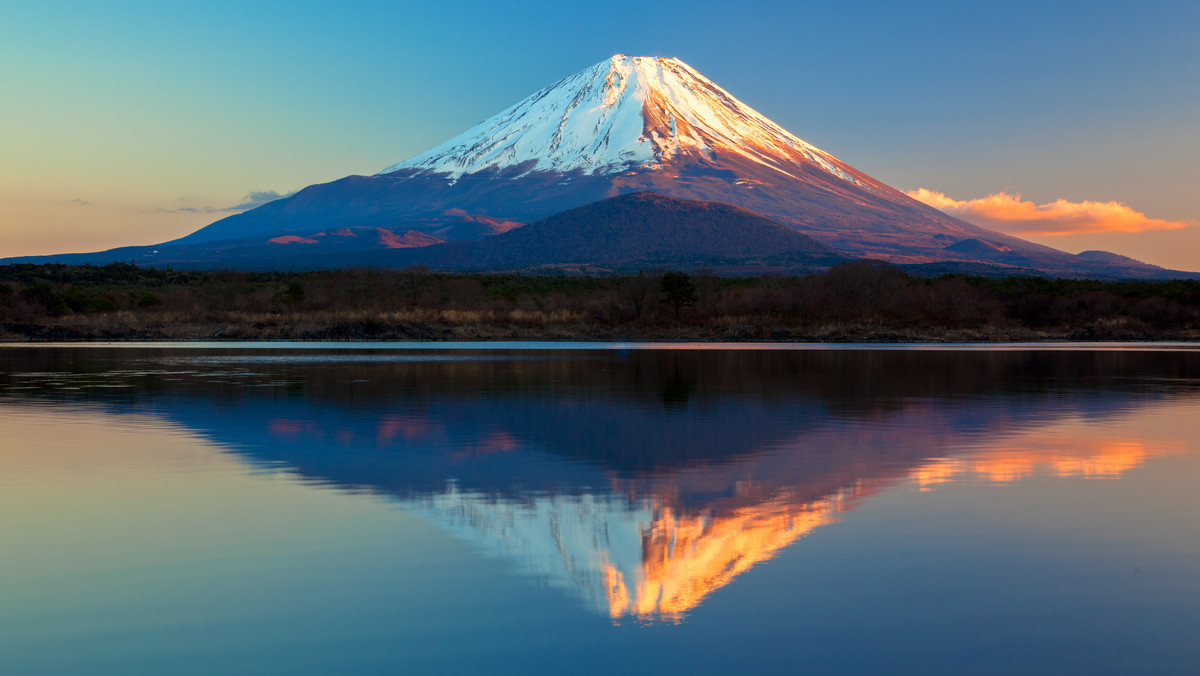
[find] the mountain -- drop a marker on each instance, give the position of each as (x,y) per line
(625,125)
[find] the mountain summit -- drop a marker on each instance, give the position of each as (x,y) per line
(629,112)
(628,124)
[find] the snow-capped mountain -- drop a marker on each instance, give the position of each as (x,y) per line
(630,124)
(627,124)
(626,113)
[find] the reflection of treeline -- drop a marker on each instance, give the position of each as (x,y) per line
(640,411)
(862,300)
(846,381)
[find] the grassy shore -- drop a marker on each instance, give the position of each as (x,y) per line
(862,301)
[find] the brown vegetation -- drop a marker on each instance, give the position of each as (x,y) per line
(863,301)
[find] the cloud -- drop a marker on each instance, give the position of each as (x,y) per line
(257,198)
(80,203)
(1009,213)
(254,198)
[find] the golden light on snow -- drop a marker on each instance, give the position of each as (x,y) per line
(688,556)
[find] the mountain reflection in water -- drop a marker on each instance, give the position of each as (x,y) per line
(639,481)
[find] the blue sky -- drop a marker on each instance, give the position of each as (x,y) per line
(159,115)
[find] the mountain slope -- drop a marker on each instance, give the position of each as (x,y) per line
(642,227)
(627,232)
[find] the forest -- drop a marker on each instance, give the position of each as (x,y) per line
(858,301)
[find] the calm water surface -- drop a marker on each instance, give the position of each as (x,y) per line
(417,509)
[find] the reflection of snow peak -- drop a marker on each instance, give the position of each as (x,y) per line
(566,540)
(686,557)
(626,557)
(623,113)
(648,558)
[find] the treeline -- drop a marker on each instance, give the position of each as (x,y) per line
(853,301)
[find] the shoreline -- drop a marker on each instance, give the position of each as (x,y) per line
(455,338)
(600,346)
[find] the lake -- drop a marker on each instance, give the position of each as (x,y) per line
(592,508)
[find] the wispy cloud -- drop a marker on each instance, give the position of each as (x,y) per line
(80,203)
(1011,214)
(254,198)
(257,198)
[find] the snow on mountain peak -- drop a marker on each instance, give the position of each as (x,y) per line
(626,112)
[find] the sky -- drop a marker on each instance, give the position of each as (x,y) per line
(1074,124)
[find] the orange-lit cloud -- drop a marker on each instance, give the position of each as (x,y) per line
(1011,214)
(1054,455)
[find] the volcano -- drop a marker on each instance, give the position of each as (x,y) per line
(625,125)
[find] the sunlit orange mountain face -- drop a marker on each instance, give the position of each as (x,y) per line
(641,483)
(624,126)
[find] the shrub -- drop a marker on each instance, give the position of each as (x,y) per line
(85,300)
(678,290)
(145,299)
(44,294)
